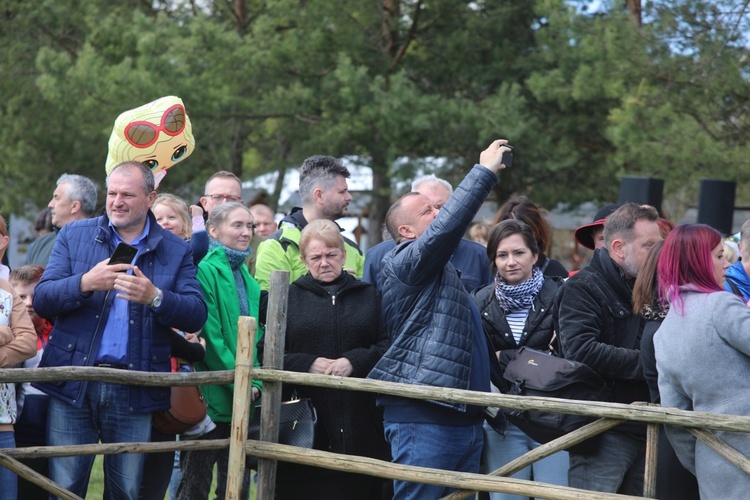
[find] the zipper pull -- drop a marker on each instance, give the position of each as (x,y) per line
(333,299)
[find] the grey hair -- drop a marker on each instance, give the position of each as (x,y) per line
(431,180)
(218,215)
(319,172)
(621,223)
(149,184)
(81,189)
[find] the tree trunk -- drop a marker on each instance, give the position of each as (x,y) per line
(240,15)
(634,11)
(278,185)
(381,188)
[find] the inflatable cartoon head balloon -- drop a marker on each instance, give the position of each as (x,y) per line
(158,134)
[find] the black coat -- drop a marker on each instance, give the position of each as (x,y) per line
(596,326)
(347,324)
(539,327)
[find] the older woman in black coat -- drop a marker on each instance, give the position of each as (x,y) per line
(334,327)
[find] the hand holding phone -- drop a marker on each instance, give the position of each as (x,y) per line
(123,254)
(507,159)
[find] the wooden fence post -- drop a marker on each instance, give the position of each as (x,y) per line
(273,357)
(652,452)
(246,329)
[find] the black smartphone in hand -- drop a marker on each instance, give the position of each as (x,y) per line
(123,254)
(507,159)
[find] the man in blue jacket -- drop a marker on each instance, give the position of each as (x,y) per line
(435,330)
(469,258)
(113,316)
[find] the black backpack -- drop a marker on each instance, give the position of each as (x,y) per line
(537,373)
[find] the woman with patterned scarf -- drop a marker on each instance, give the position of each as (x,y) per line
(517,311)
(230,292)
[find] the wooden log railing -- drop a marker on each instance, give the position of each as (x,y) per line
(268,452)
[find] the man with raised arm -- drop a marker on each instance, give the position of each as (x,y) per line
(435,330)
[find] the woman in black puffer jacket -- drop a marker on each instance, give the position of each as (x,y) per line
(517,311)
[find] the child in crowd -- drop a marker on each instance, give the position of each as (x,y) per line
(31,426)
(16,345)
(172,214)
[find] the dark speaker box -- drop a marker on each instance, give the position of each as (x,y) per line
(641,190)
(716,204)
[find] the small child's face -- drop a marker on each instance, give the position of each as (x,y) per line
(26,292)
(168,219)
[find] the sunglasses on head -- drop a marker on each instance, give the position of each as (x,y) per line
(143,134)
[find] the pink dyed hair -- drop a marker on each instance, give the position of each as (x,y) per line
(686,260)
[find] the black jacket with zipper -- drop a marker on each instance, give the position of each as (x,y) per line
(346,324)
(538,330)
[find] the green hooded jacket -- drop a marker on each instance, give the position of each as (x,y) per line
(220,330)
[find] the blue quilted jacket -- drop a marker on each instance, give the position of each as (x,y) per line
(81,317)
(425,305)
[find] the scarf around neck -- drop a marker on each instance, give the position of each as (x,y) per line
(236,260)
(516,297)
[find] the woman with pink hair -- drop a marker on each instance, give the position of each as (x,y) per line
(703,353)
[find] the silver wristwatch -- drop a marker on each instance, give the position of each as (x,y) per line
(157,300)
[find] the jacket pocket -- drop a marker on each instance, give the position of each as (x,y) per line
(61,350)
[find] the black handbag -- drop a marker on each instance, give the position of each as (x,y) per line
(536,373)
(297,421)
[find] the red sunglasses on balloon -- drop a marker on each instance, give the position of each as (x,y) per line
(143,134)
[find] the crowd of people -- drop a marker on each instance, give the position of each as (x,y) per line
(658,313)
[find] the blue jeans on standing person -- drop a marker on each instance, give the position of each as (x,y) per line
(447,447)
(8,478)
(617,465)
(105,416)
(499,450)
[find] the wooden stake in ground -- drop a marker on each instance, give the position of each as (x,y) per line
(275,339)
(246,329)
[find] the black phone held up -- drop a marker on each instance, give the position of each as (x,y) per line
(123,254)
(507,159)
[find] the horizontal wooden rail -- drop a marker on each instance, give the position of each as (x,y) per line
(112,375)
(595,409)
(545,450)
(401,472)
(113,448)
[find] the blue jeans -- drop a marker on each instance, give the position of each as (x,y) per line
(499,450)
(453,448)
(8,478)
(106,417)
(617,466)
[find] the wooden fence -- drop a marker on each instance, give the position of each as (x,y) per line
(268,451)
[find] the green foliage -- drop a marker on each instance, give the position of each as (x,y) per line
(583,97)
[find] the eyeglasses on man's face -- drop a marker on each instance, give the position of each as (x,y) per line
(221,198)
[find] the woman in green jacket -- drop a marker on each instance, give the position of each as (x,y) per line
(230,292)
